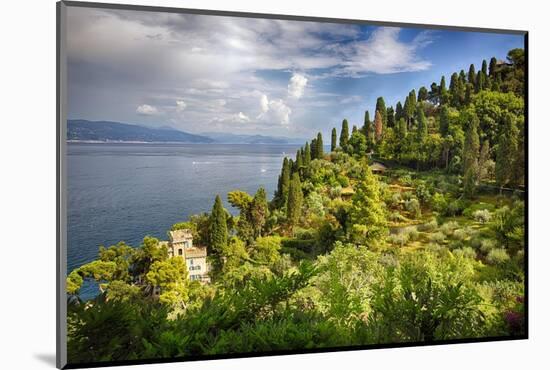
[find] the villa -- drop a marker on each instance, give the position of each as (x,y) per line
(181,245)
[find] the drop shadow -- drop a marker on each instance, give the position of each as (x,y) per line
(46,358)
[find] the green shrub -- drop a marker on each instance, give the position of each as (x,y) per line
(455,208)
(428,226)
(413,206)
(448,227)
(466,252)
(498,256)
(397,217)
(439,203)
(305,245)
(487,245)
(483,216)
(438,237)
(398,239)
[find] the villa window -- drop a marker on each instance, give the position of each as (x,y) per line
(180,252)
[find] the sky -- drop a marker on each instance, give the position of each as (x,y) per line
(204,73)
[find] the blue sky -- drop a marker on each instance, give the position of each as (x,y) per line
(202,73)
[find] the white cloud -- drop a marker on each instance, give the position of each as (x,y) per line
(384,53)
(180,105)
(264,103)
(297,85)
(273,112)
(146,110)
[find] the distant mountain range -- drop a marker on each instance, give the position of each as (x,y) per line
(226,138)
(107,131)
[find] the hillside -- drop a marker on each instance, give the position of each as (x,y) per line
(83,130)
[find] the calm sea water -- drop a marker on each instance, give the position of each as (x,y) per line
(127,191)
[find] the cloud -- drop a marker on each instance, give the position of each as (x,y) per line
(274,111)
(146,110)
(219,67)
(180,105)
(264,103)
(384,53)
(297,85)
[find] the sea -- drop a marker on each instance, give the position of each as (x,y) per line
(124,192)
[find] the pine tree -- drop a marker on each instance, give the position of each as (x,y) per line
(295,199)
(333,140)
(506,149)
(344,134)
(378,126)
(217,227)
(320,150)
(381,107)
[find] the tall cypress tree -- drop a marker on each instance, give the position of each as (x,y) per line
(443,91)
(492,67)
(299,161)
(320,150)
(421,125)
(398,111)
(506,150)
(307,155)
(217,227)
(484,69)
(381,107)
(333,140)
(295,198)
(344,134)
(479,81)
(284,183)
(472,74)
(259,212)
(313,149)
(378,126)
(422,94)
(470,155)
(390,117)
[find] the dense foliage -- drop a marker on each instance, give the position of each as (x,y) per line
(410,229)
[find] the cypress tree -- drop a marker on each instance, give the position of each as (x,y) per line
(381,107)
(506,149)
(299,160)
(492,67)
(462,77)
(320,149)
(259,212)
(422,125)
(479,81)
(453,89)
(307,155)
(378,126)
(472,74)
(285,182)
(442,91)
(484,69)
(217,228)
(366,123)
(333,140)
(295,198)
(402,132)
(313,149)
(398,111)
(390,117)
(344,134)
